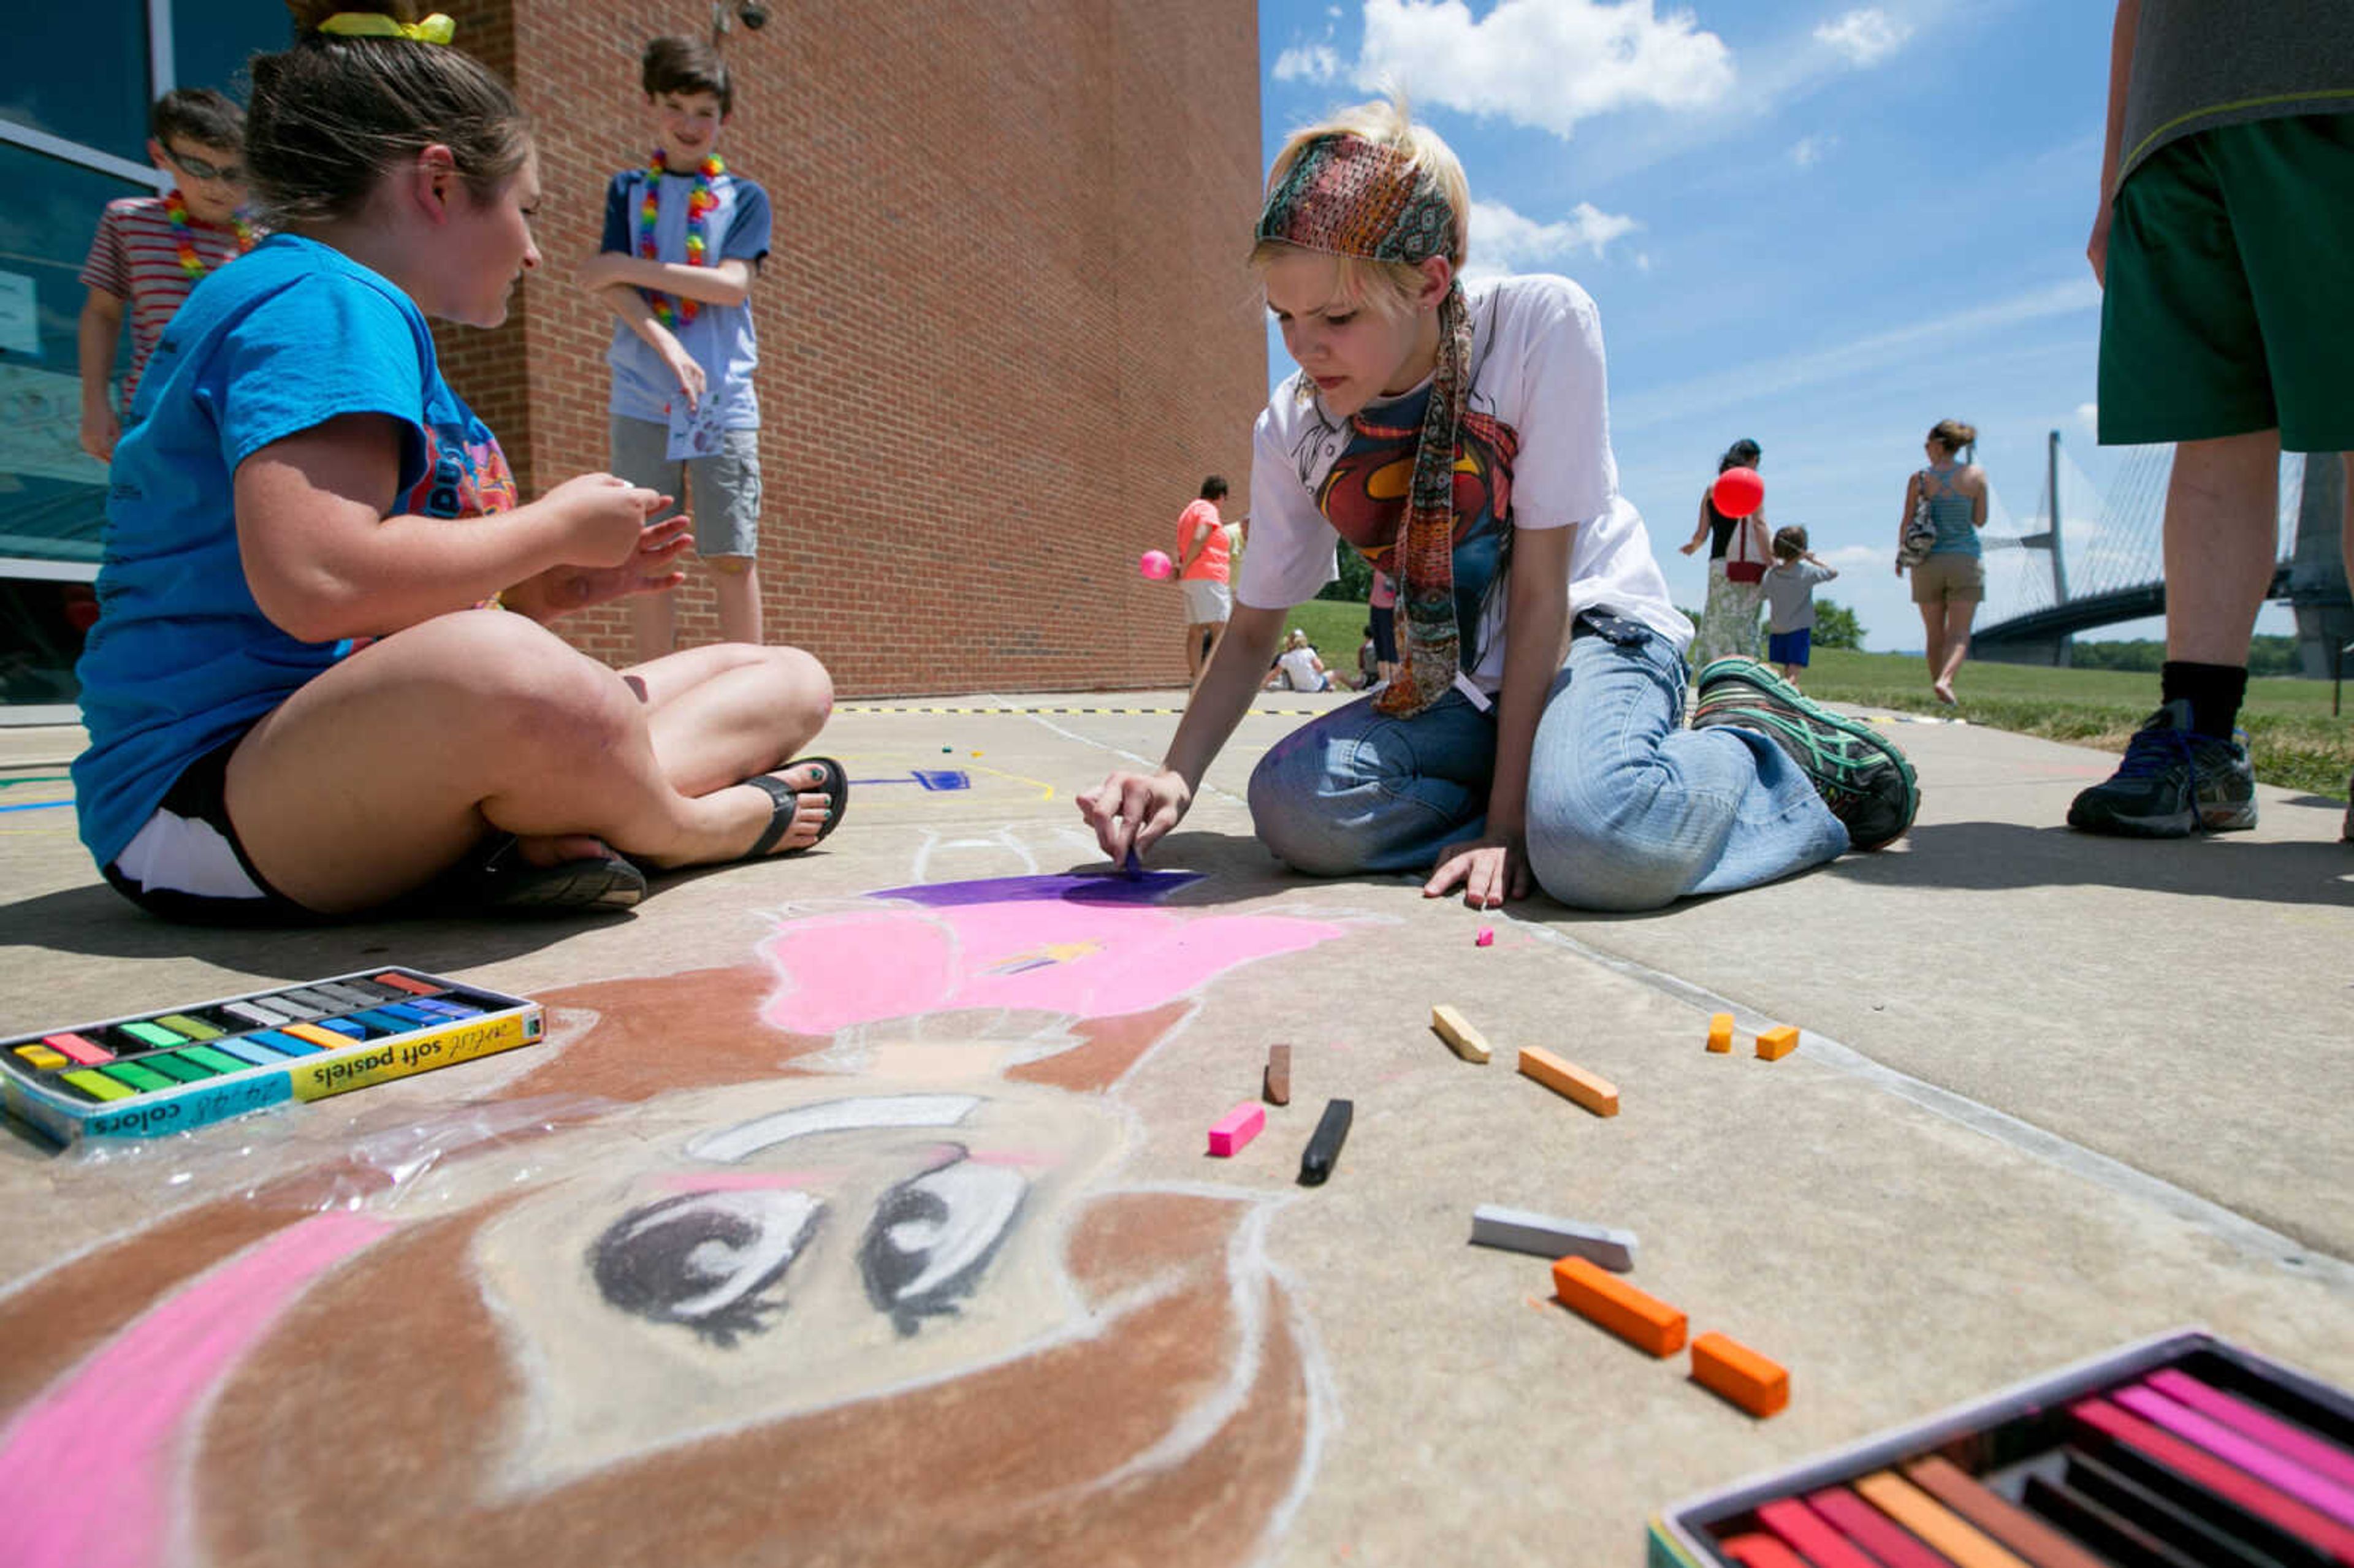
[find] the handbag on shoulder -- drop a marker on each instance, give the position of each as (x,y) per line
(1921,531)
(1745,558)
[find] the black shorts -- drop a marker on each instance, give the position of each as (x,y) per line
(1384,619)
(198,800)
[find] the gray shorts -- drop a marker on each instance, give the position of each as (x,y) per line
(724,488)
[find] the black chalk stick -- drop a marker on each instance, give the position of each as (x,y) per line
(1332,1132)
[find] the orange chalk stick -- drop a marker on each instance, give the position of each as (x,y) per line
(1731,1370)
(1777,1044)
(1720,1033)
(1642,1320)
(1945,1532)
(1597,1095)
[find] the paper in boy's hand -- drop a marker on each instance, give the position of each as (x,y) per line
(694,431)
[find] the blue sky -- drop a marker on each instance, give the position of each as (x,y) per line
(1822,225)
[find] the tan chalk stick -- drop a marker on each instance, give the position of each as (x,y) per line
(1465,1040)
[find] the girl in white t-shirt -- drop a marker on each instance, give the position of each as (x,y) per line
(1299,667)
(1457,437)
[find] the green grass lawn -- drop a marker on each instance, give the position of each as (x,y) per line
(2291,737)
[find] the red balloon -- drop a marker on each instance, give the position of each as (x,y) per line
(1738,491)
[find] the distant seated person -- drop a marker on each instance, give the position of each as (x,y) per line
(1297,668)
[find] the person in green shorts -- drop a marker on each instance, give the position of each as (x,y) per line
(2224,243)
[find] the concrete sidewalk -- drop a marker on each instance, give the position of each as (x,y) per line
(2054,1093)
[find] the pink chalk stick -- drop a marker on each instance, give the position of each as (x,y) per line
(1236,1127)
(1486,938)
(2313,1453)
(2274,1470)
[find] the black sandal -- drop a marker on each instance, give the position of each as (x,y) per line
(786,803)
(501,882)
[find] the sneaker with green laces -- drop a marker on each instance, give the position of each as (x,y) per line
(1859,772)
(2173,782)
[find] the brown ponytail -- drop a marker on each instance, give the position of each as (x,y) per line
(331,114)
(1953,435)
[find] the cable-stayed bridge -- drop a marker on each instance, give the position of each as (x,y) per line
(2090,559)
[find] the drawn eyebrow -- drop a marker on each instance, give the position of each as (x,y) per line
(733,1143)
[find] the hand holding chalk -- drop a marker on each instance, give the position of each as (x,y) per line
(1155,564)
(1738,491)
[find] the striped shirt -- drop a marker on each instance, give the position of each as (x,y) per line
(136,257)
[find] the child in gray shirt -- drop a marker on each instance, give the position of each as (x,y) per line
(1790,600)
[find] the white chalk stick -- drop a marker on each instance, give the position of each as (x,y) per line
(1518,1230)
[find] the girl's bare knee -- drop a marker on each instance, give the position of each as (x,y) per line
(802,681)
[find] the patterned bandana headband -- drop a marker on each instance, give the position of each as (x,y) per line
(435,29)
(1345,195)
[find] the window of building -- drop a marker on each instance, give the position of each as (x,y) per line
(75,86)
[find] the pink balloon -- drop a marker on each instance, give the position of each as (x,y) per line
(1155,564)
(1738,491)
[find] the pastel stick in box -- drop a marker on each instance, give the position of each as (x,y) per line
(2030,1445)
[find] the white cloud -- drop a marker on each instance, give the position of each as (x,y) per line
(1308,62)
(1543,63)
(1864,36)
(2089,415)
(1503,241)
(1856,556)
(1811,150)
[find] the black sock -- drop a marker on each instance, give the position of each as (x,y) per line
(2213,690)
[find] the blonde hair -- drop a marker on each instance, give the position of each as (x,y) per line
(1389,287)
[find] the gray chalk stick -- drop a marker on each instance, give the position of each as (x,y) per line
(1518,1230)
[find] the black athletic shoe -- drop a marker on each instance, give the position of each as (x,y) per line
(2173,783)
(1859,772)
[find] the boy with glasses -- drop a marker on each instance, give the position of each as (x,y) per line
(151,250)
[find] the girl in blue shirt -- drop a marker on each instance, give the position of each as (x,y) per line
(302,695)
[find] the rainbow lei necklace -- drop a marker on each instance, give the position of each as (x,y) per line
(700,204)
(176,208)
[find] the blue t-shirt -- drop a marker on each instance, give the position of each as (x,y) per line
(720,337)
(182,659)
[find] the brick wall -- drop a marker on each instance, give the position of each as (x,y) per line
(1004,328)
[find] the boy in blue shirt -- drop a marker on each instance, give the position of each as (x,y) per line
(682,240)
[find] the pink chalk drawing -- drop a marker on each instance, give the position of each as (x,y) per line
(1067,1307)
(1087,956)
(119,1414)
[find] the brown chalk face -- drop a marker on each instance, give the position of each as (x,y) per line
(736,1256)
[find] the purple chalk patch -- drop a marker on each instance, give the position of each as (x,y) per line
(1105,886)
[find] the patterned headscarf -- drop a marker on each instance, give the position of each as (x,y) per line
(1345,195)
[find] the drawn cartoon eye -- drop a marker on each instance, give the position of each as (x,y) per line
(705,1259)
(932,1237)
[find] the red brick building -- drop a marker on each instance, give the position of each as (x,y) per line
(1005,327)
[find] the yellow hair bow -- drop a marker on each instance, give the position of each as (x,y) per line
(435,29)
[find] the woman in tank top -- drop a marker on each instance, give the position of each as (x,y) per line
(1948,585)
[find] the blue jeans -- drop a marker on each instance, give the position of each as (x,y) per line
(1626,810)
